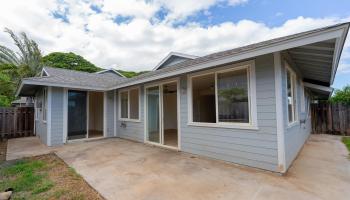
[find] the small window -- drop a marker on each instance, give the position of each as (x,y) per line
(291,86)
(124,101)
(134,104)
(44,104)
(36,109)
(129,104)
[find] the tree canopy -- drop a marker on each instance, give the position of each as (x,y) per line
(28,62)
(69,61)
(76,62)
(130,74)
(342,96)
(27,59)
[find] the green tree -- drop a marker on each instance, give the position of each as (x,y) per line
(9,77)
(130,74)
(76,62)
(69,61)
(342,96)
(27,59)
(16,65)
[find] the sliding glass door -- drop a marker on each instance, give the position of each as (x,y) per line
(77,106)
(153,111)
(161,114)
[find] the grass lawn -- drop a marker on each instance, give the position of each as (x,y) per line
(346,141)
(44,177)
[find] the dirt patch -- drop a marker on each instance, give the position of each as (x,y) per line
(44,177)
(3,149)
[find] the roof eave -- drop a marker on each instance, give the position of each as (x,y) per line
(42,83)
(332,33)
(340,42)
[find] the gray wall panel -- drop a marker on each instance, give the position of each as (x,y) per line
(56,116)
(109,113)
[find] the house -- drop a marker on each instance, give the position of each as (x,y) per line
(249,105)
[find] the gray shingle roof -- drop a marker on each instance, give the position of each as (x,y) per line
(77,78)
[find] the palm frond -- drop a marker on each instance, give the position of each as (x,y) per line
(8,56)
(19,44)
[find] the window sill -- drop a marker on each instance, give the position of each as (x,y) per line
(129,120)
(290,125)
(221,125)
(44,122)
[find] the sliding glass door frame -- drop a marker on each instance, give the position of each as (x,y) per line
(161,116)
(65,114)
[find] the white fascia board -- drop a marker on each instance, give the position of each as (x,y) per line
(339,45)
(280,46)
(42,72)
(318,87)
(19,89)
(173,54)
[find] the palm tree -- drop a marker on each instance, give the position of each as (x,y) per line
(27,60)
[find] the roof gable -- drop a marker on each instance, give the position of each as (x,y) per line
(173,58)
(111,71)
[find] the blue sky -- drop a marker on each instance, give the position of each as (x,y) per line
(136,34)
(276,12)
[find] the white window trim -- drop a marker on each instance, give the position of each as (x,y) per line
(250,66)
(119,105)
(294,95)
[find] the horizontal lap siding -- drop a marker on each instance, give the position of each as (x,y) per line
(256,148)
(56,116)
(132,130)
(109,113)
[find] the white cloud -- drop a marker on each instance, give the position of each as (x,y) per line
(141,43)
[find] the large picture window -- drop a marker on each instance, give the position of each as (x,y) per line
(129,104)
(291,86)
(221,98)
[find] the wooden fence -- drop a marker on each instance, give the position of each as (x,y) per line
(330,118)
(16,122)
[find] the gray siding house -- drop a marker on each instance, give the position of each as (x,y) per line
(249,105)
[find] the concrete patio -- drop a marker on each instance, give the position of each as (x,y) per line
(122,169)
